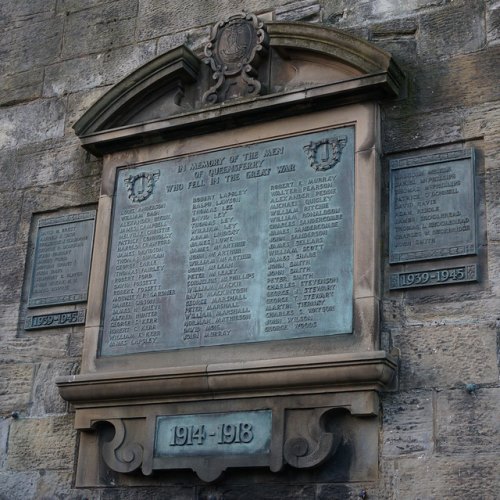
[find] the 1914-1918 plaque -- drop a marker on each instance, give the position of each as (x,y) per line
(61,263)
(245,244)
(432,207)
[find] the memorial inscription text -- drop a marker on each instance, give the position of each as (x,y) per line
(62,257)
(246,244)
(432,207)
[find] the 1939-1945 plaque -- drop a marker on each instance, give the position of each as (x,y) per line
(245,244)
(432,207)
(61,262)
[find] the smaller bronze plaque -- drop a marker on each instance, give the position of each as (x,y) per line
(236,433)
(443,276)
(61,262)
(432,207)
(69,318)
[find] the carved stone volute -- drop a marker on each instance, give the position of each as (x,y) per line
(236,48)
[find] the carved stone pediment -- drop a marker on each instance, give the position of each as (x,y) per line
(174,95)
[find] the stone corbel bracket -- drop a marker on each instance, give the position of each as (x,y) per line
(304,394)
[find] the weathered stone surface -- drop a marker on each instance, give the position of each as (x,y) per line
(56,164)
(21,87)
(67,6)
(15,387)
(493,24)
(54,484)
(10,204)
(260,491)
(12,259)
(13,11)
(17,485)
(408,424)
(34,348)
(195,39)
(42,443)
(33,43)
(100,28)
(78,103)
(468,423)
(45,396)
(4,437)
(493,212)
(469,476)
(29,123)
(301,10)
(446,355)
(451,30)
(177,492)
(95,70)
(157,19)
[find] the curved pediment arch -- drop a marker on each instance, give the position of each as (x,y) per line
(301,67)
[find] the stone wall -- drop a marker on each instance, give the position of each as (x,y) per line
(57,57)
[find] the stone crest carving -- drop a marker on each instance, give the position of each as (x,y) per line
(234,53)
(325,154)
(140,186)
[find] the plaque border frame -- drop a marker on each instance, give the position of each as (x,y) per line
(432,159)
(54,221)
(366,275)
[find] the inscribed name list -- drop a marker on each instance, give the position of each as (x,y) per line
(245,244)
(61,265)
(432,207)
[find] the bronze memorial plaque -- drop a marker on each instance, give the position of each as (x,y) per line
(432,207)
(245,244)
(61,262)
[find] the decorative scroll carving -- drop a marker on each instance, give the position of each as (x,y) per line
(119,454)
(307,444)
(234,53)
(325,154)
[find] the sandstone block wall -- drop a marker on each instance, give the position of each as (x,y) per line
(57,57)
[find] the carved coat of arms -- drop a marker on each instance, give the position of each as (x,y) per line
(234,53)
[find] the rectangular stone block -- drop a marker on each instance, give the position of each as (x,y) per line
(15,387)
(11,273)
(262,491)
(14,11)
(34,348)
(18,485)
(97,29)
(468,423)
(444,477)
(157,19)
(493,24)
(45,396)
(19,87)
(30,44)
(36,121)
(446,355)
(407,424)
(10,207)
(96,70)
(57,164)
(42,444)
(301,10)
(450,30)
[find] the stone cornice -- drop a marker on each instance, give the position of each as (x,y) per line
(313,374)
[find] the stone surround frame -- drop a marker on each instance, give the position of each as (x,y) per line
(304,381)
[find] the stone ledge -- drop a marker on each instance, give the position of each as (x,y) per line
(287,376)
